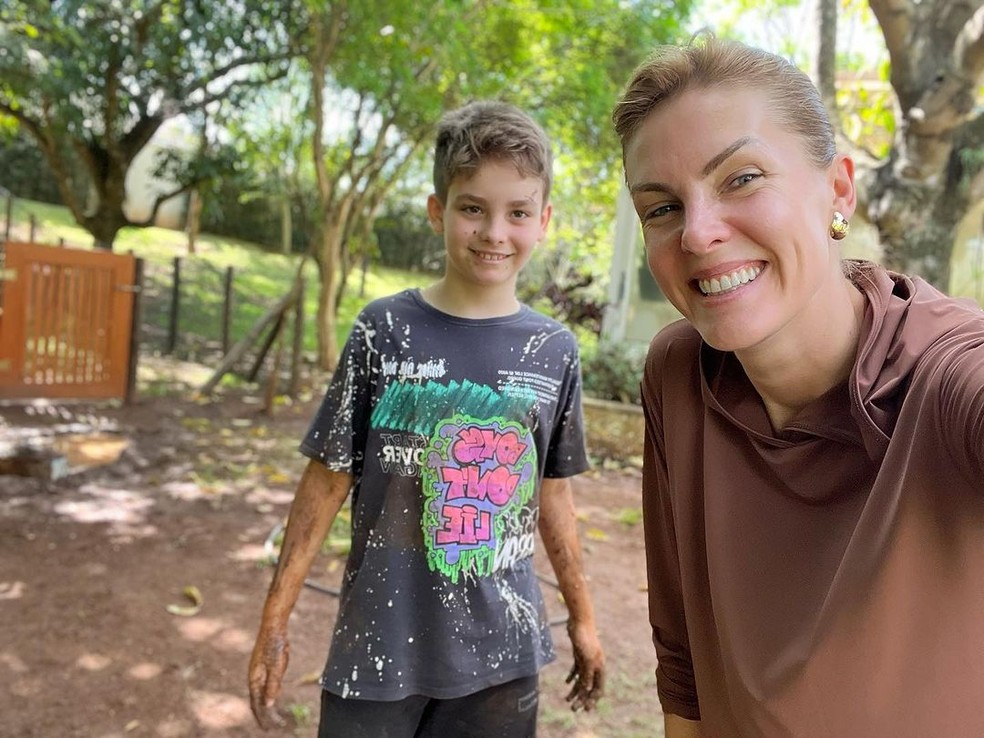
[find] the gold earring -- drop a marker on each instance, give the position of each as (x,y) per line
(839,226)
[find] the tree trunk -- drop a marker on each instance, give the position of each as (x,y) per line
(825,60)
(104,224)
(286,225)
(106,217)
(193,220)
(916,225)
(330,251)
(917,219)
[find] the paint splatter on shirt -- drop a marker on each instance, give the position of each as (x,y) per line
(447,425)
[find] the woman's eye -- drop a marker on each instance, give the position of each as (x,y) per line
(744,179)
(659,211)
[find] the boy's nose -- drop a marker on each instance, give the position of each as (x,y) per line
(493,230)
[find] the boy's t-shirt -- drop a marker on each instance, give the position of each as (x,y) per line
(447,424)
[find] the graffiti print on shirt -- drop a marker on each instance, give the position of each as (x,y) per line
(477,478)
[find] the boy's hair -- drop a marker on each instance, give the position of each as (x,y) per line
(711,62)
(489,131)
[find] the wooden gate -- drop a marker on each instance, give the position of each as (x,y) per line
(66,322)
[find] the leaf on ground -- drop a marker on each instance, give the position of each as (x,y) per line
(192,593)
(312,677)
(596,534)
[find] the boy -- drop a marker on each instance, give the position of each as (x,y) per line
(454,417)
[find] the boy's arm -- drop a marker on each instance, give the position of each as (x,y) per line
(319,496)
(558,529)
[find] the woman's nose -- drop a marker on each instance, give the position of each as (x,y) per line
(703,227)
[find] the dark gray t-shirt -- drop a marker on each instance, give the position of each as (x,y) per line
(447,425)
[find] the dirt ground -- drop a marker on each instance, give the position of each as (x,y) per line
(100,638)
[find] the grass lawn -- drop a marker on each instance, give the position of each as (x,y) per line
(260,277)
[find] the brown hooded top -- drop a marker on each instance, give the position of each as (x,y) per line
(827,579)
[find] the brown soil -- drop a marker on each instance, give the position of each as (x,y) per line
(91,562)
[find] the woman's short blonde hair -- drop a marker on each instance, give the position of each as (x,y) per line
(712,62)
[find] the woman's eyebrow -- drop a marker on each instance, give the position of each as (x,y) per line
(719,159)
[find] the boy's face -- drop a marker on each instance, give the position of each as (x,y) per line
(491,222)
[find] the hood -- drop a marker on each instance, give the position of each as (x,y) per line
(905,316)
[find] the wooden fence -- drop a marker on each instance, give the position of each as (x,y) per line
(67,322)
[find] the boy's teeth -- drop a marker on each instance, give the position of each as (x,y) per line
(729,281)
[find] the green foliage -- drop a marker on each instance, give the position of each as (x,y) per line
(613,371)
(302,714)
(338,541)
(629,516)
(78,61)
(23,171)
(405,239)
(92,81)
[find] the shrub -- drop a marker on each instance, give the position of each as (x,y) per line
(613,371)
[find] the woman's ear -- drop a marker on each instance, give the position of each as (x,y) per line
(435,214)
(842,180)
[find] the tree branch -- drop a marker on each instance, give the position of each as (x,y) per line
(161,199)
(971,138)
(325,43)
(896,19)
(968,51)
(137,137)
(202,83)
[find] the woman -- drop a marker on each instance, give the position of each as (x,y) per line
(814,472)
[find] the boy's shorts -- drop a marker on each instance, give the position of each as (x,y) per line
(504,711)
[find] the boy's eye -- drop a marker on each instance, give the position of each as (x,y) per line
(520,214)
(471,209)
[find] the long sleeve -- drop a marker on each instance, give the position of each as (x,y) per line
(674,674)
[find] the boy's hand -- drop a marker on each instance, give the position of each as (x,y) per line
(588,672)
(267,667)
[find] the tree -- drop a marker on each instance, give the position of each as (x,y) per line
(92,82)
(935,169)
(384,70)
(825,60)
(918,187)
(271,140)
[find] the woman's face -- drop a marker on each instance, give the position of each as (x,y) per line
(735,215)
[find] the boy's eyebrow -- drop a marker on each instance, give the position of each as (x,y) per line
(715,161)
(531,198)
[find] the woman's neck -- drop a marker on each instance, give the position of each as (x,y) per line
(809,358)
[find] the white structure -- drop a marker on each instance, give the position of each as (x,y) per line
(143,188)
(636,308)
